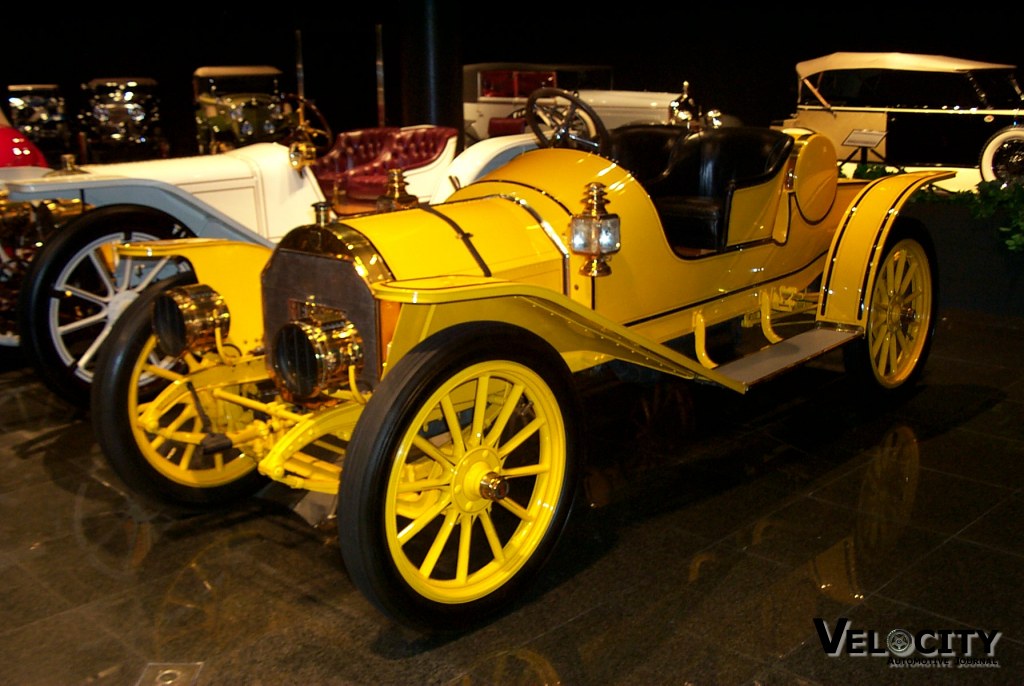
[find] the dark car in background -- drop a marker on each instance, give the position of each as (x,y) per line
(120,121)
(239,105)
(39,111)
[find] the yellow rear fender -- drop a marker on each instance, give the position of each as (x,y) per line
(232,268)
(582,337)
(858,243)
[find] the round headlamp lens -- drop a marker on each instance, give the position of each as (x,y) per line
(188,318)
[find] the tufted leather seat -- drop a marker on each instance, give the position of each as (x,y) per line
(407,149)
(352,150)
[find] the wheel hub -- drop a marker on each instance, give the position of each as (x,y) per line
(1010,160)
(493,486)
(478,481)
(900,315)
(119,303)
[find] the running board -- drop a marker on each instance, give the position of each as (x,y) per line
(779,357)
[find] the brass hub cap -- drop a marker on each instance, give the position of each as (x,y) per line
(493,486)
(477,481)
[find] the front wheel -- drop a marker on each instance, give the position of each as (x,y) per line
(76,287)
(1002,158)
(460,476)
(130,372)
(902,314)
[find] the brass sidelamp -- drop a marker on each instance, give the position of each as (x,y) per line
(594,233)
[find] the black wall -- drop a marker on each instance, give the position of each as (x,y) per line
(739,61)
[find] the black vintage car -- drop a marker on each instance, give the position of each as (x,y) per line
(120,121)
(39,111)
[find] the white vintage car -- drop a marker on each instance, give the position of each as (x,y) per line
(915,111)
(75,286)
(495,98)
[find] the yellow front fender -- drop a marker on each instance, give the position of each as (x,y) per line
(858,243)
(583,337)
(232,268)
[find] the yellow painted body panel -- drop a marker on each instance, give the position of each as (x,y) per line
(503,239)
(539,181)
(754,212)
(231,268)
(584,338)
(650,289)
(858,245)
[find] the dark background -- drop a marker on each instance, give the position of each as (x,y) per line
(739,61)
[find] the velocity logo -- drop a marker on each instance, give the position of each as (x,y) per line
(951,648)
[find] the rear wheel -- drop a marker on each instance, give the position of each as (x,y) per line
(1002,158)
(76,288)
(902,314)
(130,372)
(460,476)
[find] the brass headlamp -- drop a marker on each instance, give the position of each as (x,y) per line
(190,318)
(316,354)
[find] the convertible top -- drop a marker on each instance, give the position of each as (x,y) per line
(892,60)
(256,70)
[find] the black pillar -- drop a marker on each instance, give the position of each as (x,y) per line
(423,64)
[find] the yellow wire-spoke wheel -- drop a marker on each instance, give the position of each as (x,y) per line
(901,315)
(467,509)
(460,475)
(171,449)
(163,460)
(901,306)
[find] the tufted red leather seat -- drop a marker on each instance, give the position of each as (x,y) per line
(408,149)
(352,150)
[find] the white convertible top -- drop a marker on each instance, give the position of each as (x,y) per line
(891,60)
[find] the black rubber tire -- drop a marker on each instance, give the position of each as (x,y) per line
(44,304)
(1002,156)
(115,392)
(371,459)
(894,321)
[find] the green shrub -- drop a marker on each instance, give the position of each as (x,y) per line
(1005,203)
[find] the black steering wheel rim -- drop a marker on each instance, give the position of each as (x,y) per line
(553,124)
(313,130)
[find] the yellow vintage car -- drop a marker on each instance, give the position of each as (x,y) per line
(421,366)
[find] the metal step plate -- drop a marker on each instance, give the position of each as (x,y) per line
(792,352)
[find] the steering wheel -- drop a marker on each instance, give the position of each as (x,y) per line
(563,120)
(309,138)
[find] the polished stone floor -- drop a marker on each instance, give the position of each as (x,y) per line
(723,531)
